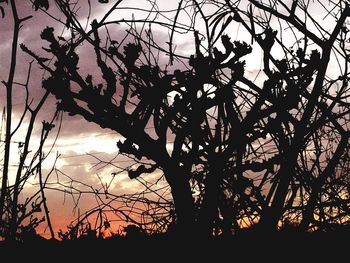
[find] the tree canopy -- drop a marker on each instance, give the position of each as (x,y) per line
(250,129)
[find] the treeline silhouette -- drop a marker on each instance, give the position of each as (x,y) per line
(250,246)
(269,152)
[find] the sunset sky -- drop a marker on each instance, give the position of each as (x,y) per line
(77,138)
(79,141)
(80,145)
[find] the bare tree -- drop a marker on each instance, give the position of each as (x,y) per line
(19,218)
(270,149)
(310,105)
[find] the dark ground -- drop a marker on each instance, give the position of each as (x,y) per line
(288,246)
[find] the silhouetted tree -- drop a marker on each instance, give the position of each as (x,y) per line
(20,218)
(308,107)
(270,149)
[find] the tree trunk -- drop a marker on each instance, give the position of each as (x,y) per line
(270,217)
(183,200)
(9,86)
(209,206)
